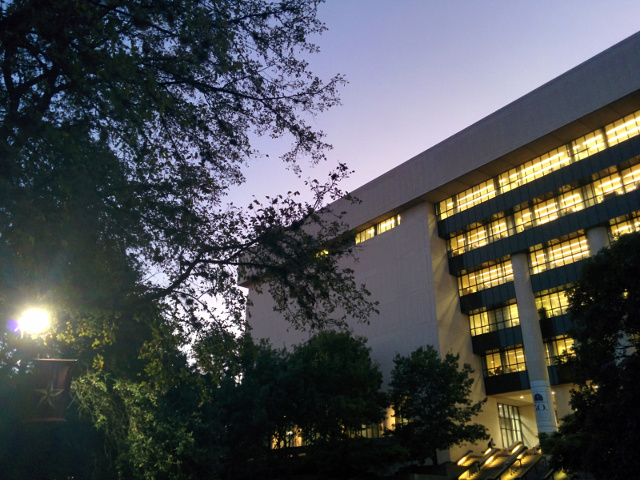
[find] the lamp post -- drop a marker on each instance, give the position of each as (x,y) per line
(49,395)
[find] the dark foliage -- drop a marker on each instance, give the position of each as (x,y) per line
(601,435)
(433,410)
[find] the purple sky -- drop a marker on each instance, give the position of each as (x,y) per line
(421,70)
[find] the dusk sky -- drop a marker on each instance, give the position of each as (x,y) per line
(421,70)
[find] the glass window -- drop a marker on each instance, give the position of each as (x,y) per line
(581,148)
(477,237)
(557,253)
(625,224)
(379,228)
(560,350)
(487,277)
(499,228)
(365,235)
(385,225)
(630,178)
(500,362)
(510,424)
(515,360)
(552,303)
(486,321)
(522,218)
(493,364)
(623,129)
(608,185)
(546,211)
(571,201)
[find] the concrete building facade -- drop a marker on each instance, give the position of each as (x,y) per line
(470,245)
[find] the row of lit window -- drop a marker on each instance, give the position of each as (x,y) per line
(499,362)
(625,224)
(553,254)
(367,431)
(491,276)
(558,253)
(377,229)
(552,304)
(560,350)
(544,209)
(577,150)
(491,320)
(548,303)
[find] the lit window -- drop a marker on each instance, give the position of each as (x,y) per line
(560,350)
(500,362)
(577,150)
(365,235)
(552,304)
(557,253)
(486,321)
(491,276)
(379,228)
(625,224)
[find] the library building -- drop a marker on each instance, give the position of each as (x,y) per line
(471,245)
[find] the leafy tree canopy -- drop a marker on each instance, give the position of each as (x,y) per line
(339,386)
(322,393)
(122,127)
(430,397)
(601,434)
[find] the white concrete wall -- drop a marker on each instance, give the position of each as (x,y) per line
(396,268)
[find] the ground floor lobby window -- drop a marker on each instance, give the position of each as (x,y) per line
(510,425)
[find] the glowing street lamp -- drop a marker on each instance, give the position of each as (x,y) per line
(34,322)
(48,398)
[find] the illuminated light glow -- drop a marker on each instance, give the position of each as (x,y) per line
(624,134)
(632,121)
(34,321)
(514,176)
(478,199)
(591,140)
(542,170)
(615,180)
(477,192)
(544,161)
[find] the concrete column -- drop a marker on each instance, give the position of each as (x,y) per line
(598,238)
(533,346)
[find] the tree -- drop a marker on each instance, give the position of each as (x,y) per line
(123,125)
(433,410)
(601,434)
(323,393)
(256,407)
(338,387)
